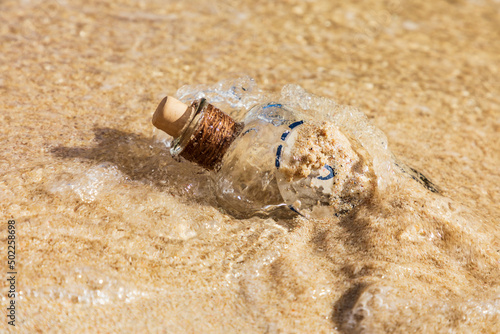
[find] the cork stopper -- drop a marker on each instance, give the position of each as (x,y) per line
(171,116)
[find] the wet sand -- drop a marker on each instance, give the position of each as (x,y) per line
(114,235)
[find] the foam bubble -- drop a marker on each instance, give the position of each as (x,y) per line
(89,184)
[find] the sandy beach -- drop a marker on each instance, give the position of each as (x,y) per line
(113,235)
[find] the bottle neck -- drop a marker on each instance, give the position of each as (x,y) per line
(207,137)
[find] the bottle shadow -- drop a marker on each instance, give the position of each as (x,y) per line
(144,160)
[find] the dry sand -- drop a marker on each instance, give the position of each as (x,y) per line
(116,236)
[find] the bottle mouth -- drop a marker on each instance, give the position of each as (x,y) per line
(179,143)
(207,136)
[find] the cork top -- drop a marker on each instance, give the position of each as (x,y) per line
(171,116)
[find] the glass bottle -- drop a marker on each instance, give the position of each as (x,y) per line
(276,162)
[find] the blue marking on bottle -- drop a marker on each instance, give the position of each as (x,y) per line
(295,210)
(278,156)
(247,131)
(330,175)
(277,105)
(295,124)
(283,136)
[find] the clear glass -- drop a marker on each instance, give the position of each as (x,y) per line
(179,143)
(253,177)
(272,167)
(246,183)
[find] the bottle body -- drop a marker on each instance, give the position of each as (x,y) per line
(246,183)
(277,162)
(284,163)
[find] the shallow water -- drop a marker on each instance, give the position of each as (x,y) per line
(116,235)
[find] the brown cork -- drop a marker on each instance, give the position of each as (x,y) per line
(172,116)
